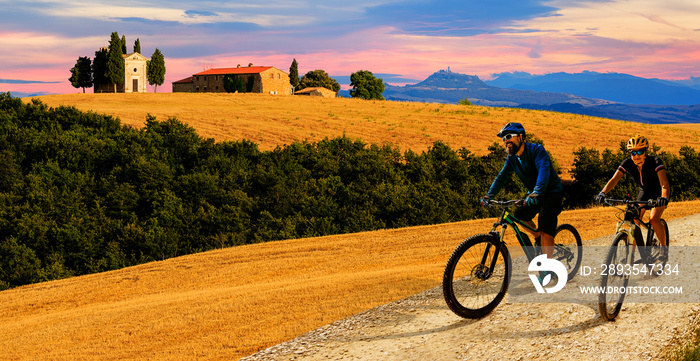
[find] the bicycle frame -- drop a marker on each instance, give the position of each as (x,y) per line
(508,219)
(621,254)
(632,224)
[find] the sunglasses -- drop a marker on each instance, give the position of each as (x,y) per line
(638,152)
(509,136)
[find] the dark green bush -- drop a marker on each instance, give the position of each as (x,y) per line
(80,193)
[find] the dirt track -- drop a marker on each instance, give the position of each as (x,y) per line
(421,327)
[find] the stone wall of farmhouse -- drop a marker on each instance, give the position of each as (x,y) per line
(182,88)
(271,81)
(208,84)
(275,81)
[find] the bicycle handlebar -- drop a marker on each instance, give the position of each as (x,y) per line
(514,202)
(644,204)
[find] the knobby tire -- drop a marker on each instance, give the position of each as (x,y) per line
(619,252)
(568,238)
(469,290)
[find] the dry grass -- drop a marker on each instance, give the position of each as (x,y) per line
(229,303)
(275,120)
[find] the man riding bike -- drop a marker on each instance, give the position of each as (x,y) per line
(649,173)
(531,163)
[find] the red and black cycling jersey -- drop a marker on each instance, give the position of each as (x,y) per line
(647,178)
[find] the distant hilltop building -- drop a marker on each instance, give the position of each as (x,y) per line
(134,76)
(262,79)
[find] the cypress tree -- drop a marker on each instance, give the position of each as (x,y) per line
(82,73)
(156,69)
(294,74)
(124,44)
(115,61)
(137,46)
(99,68)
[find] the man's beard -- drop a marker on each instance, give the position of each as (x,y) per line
(514,149)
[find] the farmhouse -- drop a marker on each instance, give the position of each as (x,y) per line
(184,85)
(134,76)
(256,79)
(317,91)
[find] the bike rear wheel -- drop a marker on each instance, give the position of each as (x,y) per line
(621,252)
(568,248)
(476,276)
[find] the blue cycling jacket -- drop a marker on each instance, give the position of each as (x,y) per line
(533,168)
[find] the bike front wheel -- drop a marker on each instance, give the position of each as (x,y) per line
(476,276)
(655,249)
(568,248)
(612,282)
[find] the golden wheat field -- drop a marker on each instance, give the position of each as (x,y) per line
(271,121)
(229,303)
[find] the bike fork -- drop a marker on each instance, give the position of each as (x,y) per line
(494,259)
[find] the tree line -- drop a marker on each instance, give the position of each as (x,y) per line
(107,67)
(82,193)
(364,85)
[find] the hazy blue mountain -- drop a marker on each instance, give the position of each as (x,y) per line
(616,87)
(445,86)
(387,78)
(27,95)
(693,82)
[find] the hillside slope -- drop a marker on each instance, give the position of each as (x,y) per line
(271,121)
(225,304)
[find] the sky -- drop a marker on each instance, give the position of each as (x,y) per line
(401,41)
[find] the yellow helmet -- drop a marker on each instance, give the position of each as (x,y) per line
(637,142)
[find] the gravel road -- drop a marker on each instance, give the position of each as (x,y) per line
(421,327)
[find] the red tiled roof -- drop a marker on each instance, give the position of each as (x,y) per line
(183,81)
(241,70)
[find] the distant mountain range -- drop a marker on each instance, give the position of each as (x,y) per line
(611,95)
(27,95)
(621,88)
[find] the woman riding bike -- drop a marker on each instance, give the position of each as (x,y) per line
(649,173)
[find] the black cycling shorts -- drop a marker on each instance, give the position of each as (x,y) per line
(549,208)
(645,196)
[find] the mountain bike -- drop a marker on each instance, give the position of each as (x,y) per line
(477,273)
(621,260)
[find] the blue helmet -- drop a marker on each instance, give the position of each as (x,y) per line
(509,128)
